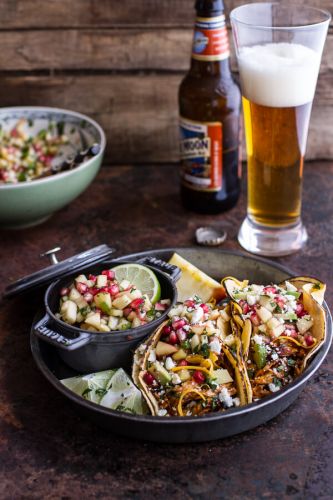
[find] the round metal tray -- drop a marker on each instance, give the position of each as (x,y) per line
(216,263)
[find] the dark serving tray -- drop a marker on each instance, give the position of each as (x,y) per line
(216,263)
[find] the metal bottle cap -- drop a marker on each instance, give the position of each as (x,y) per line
(210,236)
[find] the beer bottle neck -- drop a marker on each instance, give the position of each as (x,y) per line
(210,51)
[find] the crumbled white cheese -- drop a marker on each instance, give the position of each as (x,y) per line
(236,401)
(252,299)
(215,346)
(175,379)
(273,387)
(169,363)
(162,412)
(225,397)
(186,328)
(152,356)
(257,339)
(275,356)
(197,315)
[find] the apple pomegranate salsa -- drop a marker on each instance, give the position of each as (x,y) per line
(183,370)
(23,157)
(103,304)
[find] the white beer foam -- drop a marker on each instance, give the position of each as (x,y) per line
(278,74)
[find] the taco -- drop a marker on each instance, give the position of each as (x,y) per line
(184,368)
(279,327)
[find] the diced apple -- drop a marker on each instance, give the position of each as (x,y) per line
(121,302)
(262,328)
(221,376)
(113,323)
(147,304)
(267,302)
(116,312)
(86,326)
(165,349)
(81,303)
(273,323)
(134,294)
(195,341)
(303,325)
(94,320)
(74,294)
(184,375)
(264,314)
(124,324)
(199,328)
(90,283)
(102,280)
(104,328)
(81,279)
(124,284)
(224,315)
(277,331)
(179,355)
(136,322)
(69,311)
(103,301)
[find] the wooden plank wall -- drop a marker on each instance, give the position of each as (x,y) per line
(121,62)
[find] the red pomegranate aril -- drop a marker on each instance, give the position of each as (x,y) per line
(64,291)
(189,303)
(109,274)
(181,334)
(205,308)
(178,323)
(98,310)
(81,287)
(199,377)
(166,330)
(290,332)
(254,319)
(104,289)
(148,378)
(245,306)
(94,290)
(300,312)
(127,311)
(92,277)
(183,362)
(173,339)
(88,297)
(309,340)
(136,303)
(113,289)
(269,289)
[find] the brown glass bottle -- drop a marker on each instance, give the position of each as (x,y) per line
(209,105)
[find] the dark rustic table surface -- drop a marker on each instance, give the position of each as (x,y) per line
(47,450)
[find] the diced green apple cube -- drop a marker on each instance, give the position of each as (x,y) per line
(69,311)
(136,322)
(264,314)
(101,281)
(277,331)
(303,325)
(118,313)
(103,302)
(94,320)
(121,302)
(267,302)
(124,284)
(74,294)
(113,323)
(81,279)
(124,324)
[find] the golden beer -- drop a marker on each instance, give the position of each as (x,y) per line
(275,139)
(278,82)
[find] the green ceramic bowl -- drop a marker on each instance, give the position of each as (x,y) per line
(29,203)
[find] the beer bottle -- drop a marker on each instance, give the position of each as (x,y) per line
(209,104)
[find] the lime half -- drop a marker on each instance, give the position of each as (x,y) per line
(91,387)
(142,277)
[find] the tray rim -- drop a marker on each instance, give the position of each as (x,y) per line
(209,417)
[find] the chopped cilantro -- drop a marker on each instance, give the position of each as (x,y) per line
(101,392)
(291,362)
(277,382)
(185,344)
(205,350)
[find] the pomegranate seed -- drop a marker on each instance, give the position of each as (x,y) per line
(189,303)
(205,308)
(14,132)
(98,310)
(127,311)
(199,377)
(148,378)
(182,362)
(136,303)
(64,291)
(300,311)
(88,297)
(166,330)
(269,289)
(285,350)
(92,277)
(81,287)
(290,332)
(104,289)
(255,319)
(308,340)
(178,323)
(113,289)
(94,290)
(181,334)
(245,306)
(173,339)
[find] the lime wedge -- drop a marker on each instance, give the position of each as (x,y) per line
(140,276)
(110,388)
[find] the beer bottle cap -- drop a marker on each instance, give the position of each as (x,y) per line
(210,236)
(209,6)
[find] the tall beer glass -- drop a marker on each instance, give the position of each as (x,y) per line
(279,50)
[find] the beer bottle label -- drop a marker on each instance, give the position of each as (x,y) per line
(201,155)
(210,40)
